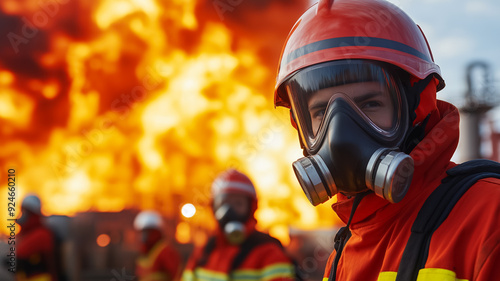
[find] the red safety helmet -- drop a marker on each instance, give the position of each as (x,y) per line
(233,182)
(355,29)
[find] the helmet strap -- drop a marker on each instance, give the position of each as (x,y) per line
(344,234)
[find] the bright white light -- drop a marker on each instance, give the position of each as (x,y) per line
(188,210)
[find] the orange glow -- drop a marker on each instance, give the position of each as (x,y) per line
(183,233)
(16,107)
(6,78)
(140,104)
(50,91)
(281,232)
(103,240)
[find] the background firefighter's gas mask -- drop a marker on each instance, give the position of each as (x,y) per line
(352,118)
(232,211)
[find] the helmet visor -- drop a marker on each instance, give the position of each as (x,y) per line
(371,90)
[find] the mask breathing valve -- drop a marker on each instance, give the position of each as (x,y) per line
(315,185)
(389,174)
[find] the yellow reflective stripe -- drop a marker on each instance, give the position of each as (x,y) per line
(38,277)
(247,275)
(425,274)
(278,270)
(209,275)
(437,274)
(187,275)
(148,260)
(325,278)
(268,273)
(387,276)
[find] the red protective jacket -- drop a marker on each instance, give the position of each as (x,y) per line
(266,262)
(465,247)
(162,263)
(35,252)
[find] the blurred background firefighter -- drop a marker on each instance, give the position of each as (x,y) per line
(158,260)
(36,249)
(238,251)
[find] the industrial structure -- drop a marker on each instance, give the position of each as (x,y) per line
(479,135)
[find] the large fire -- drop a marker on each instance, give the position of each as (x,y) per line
(114,104)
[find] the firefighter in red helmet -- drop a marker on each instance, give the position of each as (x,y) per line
(35,248)
(237,251)
(158,261)
(360,81)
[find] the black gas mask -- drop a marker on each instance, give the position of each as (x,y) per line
(231,223)
(352,118)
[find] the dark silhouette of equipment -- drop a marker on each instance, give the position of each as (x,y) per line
(480,97)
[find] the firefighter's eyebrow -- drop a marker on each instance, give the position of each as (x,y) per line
(317,105)
(367,96)
(320,104)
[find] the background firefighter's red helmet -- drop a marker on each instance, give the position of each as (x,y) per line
(233,181)
(362,29)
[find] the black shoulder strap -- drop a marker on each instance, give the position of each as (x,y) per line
(209,247)
(255,239)
(437,208)
(343,235)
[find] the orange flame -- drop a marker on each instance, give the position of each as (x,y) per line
(140,104)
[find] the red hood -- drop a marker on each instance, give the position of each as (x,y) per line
(432,158)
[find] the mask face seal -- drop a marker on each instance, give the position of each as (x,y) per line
(352,118)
